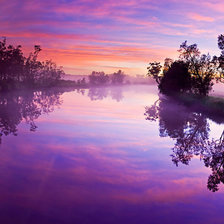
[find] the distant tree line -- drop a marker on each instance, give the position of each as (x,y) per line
(193,72)
(18,71)
(96,79)
(100,78)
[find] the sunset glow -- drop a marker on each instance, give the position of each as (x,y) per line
(87,35)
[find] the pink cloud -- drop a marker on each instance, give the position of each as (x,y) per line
(200,18)
(217,6)
(100,34)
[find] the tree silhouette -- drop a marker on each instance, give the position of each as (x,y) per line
(192,73)
(202,68)
(117,77)
(17,71)
(175,79)
(98,78)
(102,79)
(154,70)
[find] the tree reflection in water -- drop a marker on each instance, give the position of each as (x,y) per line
(100,93)
(28,105)
(18,106)
(190,130)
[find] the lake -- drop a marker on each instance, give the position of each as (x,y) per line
(108,155)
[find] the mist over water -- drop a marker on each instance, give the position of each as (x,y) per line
(92,156)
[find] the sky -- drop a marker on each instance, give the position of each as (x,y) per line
(108,35)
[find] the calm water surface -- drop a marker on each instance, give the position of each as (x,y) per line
(109,155)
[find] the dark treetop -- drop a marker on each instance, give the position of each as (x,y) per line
(18,71)
(192,73)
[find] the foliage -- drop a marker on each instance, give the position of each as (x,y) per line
(202,68)
(81,82)
(193,72)
(175,79)
(17,71)
(154,70)
(100,78)
(117,77)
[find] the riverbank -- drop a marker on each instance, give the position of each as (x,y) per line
(212,106)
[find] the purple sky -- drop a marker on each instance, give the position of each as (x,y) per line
(106,35)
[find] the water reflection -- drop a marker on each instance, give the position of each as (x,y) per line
(98,162)
(190,130)
(28,106)
(100,93)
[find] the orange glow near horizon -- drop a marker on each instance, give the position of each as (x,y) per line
(110,35)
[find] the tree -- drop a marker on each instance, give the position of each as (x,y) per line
(32,66)
(176,78)
(117,77)
(202,68)
(221,58)
(11,65)
(154,70)
(167,64)
(17,71)
(47,74)
(193,72)
(98,78)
